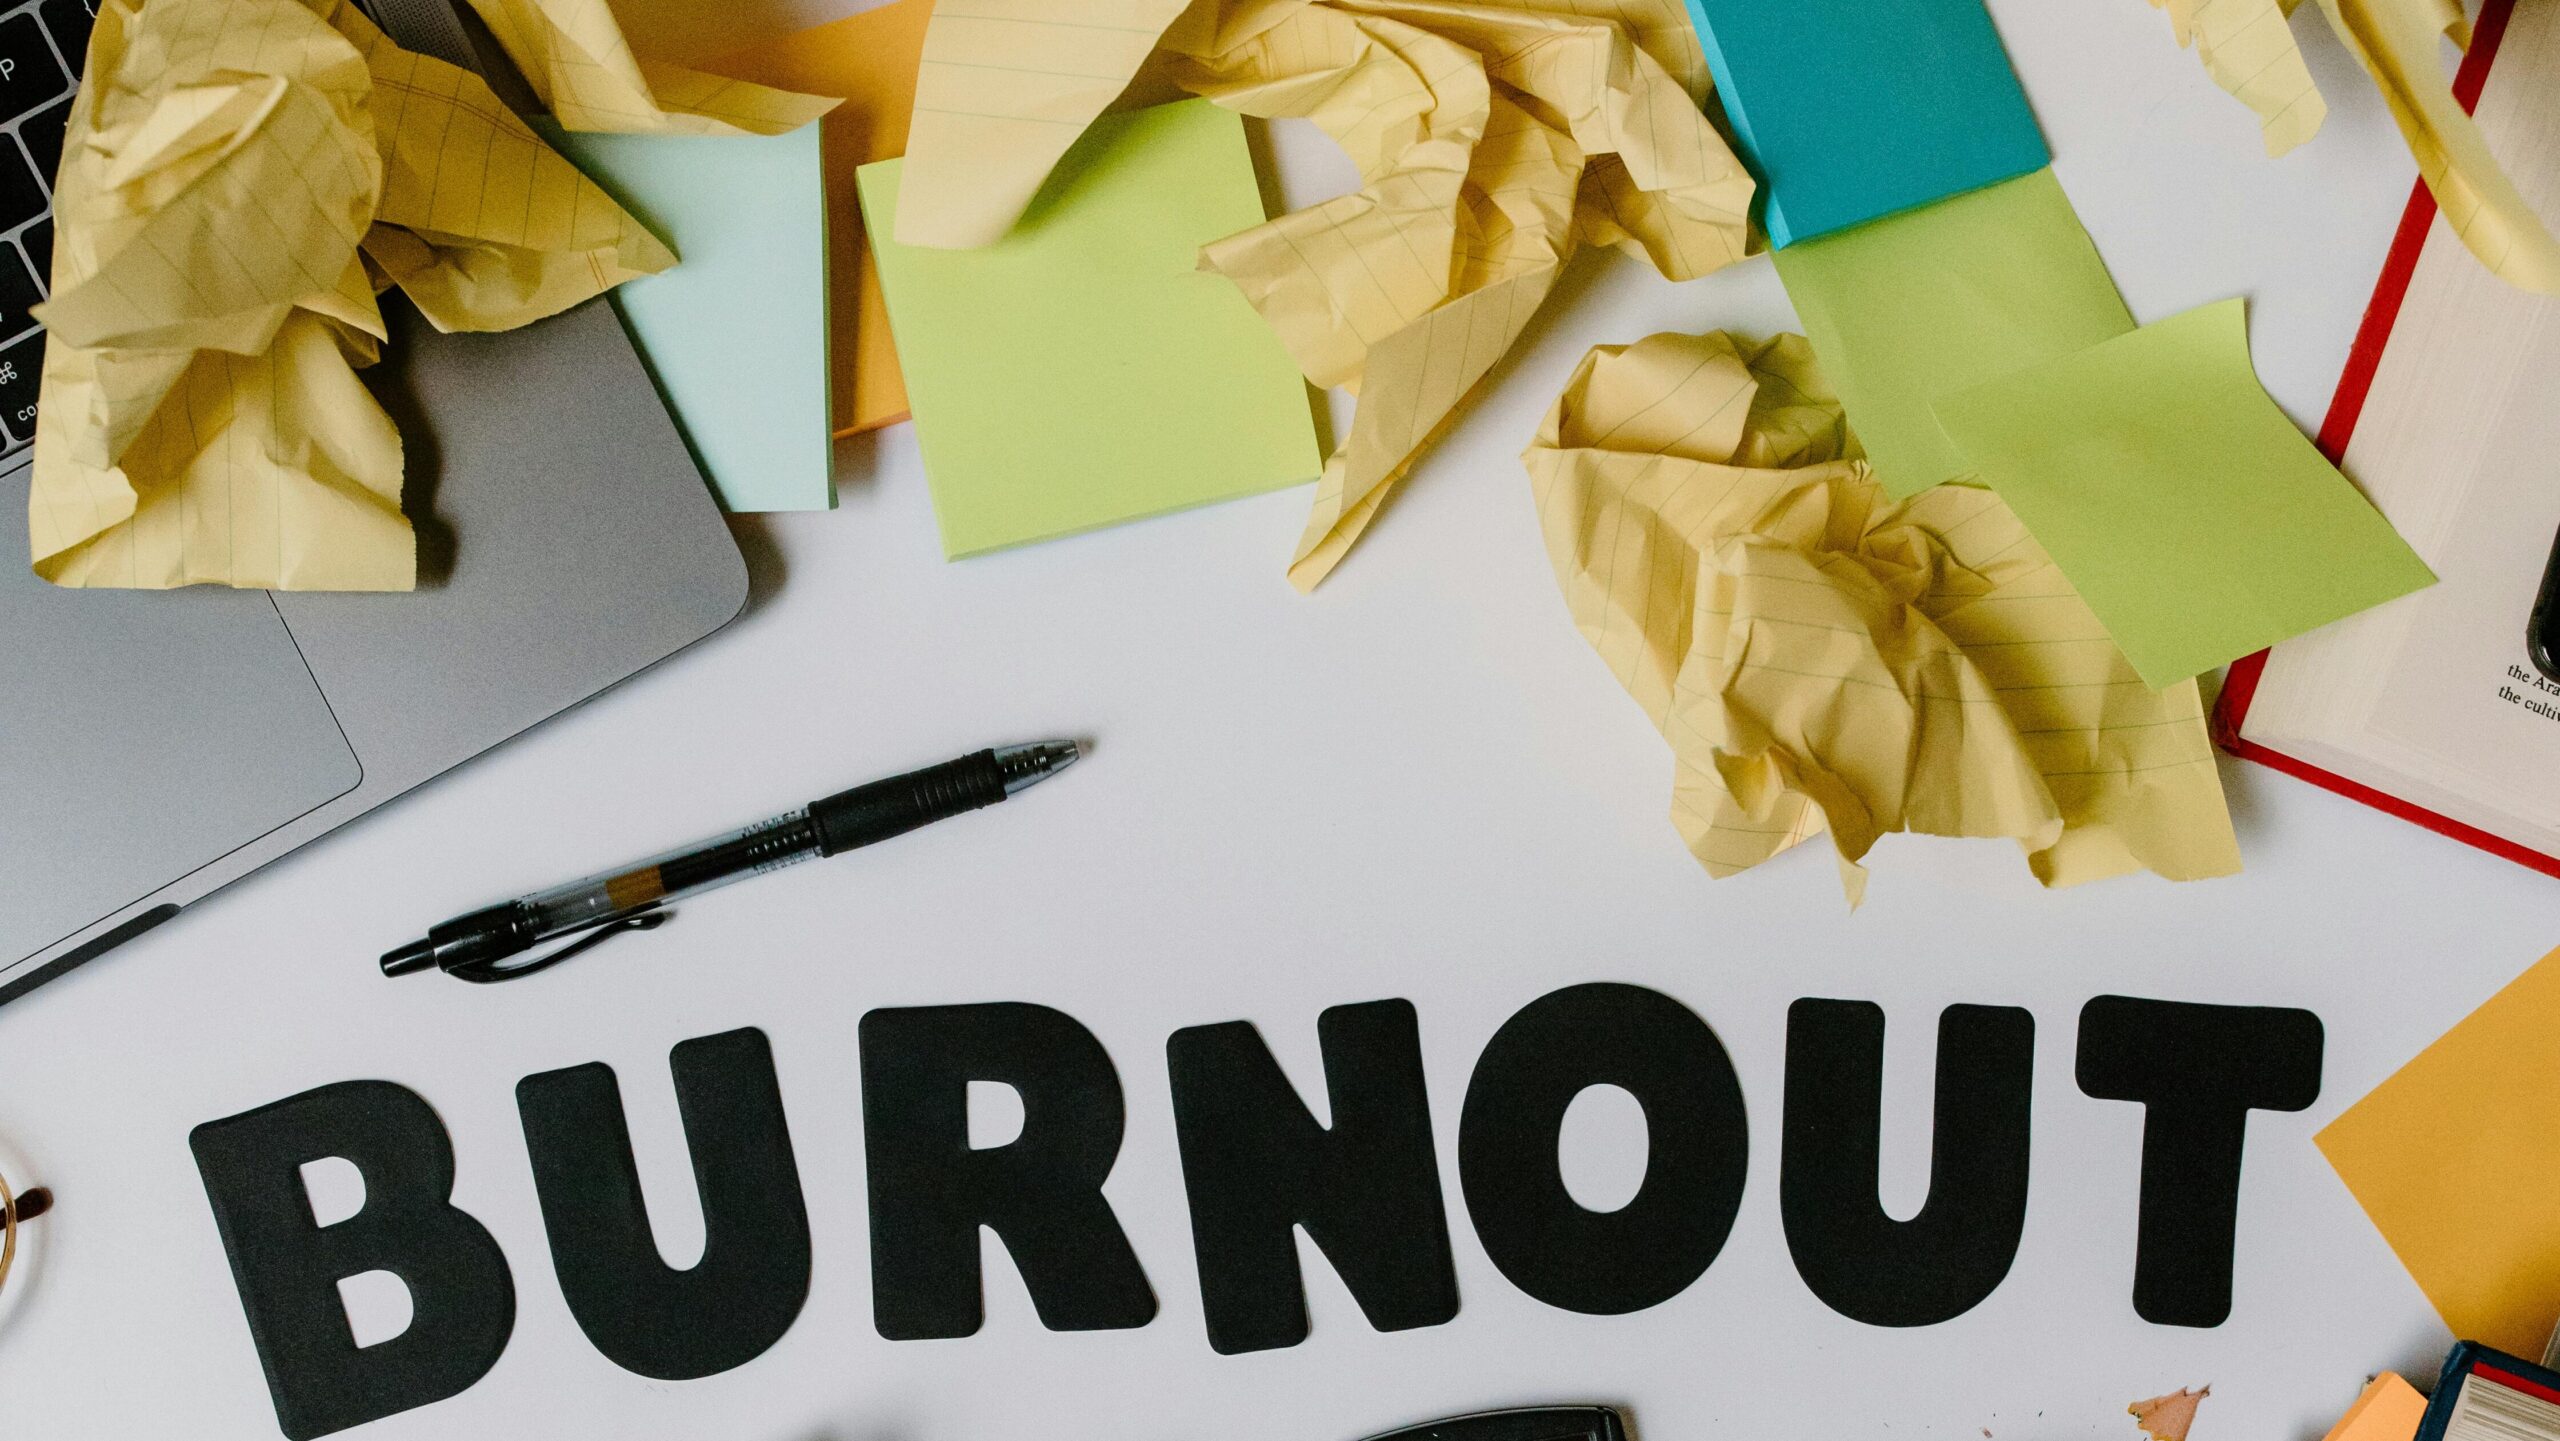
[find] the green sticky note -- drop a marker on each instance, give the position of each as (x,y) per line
(1940,299)
(736,334)
(1083,371)
(2197,522)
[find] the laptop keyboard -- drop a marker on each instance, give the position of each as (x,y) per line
(42,44)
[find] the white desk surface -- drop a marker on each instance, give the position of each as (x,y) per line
(1418,783)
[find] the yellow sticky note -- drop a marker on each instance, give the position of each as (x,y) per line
(2451,1160)
(2388,1410)
(869,61)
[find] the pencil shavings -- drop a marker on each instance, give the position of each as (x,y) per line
(2168,1418)
(240,178)
(1494,140)
(1823,659)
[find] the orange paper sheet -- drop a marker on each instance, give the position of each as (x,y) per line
(2454,1160)
(2389,1410)
(870,61)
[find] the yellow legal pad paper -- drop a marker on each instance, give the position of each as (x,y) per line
(1822,658)
(239,177)
(2250,51)
(2199,524)
(1081,371)
(2454,1161)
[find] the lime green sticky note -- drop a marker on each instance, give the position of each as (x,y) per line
(1936,300)
(1083,371)
(2197,522)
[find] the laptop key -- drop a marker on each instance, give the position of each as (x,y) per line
(42,133)
(38,240)
(29,75)
(22,196)
(18,292)
(70,21)
(21,374)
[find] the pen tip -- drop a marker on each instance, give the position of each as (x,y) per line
(1028,765)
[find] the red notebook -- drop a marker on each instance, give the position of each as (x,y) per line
(2430,708)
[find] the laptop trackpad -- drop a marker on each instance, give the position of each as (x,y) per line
(144,735)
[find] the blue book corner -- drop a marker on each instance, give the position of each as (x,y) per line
(1853,110)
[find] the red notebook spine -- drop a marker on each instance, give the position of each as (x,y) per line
(2355,386)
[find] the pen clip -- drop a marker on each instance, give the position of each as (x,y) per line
(487,973)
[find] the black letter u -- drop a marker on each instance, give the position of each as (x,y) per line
(644,1315)
(1942,1262)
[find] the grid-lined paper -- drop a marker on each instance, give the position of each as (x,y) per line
(1823,659)
(237,175)
(573,54)
(2248,48)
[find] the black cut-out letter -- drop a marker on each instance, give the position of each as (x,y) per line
(1696,1137)
(1041,1193)
(727,1308)
(1255,1164)
(2198,1072)
(288,1266)
(1943,1261)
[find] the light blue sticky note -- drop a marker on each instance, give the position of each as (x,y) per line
(1853,110)
(736,334)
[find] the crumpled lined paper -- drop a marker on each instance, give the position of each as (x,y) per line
(574,56)
(1495,137)
(2251,53)
(239,180)
(238,176)
(2249,50)
(1821,658)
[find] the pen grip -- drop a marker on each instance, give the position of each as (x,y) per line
(891,807)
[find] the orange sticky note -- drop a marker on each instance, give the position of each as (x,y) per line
(2456,1162)
(2389,1410)
(870,61)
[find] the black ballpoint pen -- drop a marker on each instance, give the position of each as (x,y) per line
(483,945)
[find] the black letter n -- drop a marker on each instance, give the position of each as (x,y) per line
(1257,1165)
(1041,1193)
(288,1266)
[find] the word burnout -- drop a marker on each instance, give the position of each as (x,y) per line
(1256,1164)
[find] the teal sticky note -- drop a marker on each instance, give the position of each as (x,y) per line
(1852,110)
(736,333)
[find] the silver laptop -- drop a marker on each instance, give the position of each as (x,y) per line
(157,745)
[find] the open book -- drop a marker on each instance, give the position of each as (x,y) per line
(2433,707)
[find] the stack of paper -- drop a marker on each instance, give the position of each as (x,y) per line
(1082,371)
(869,60)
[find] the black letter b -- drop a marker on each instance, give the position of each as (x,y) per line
(288,1266)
